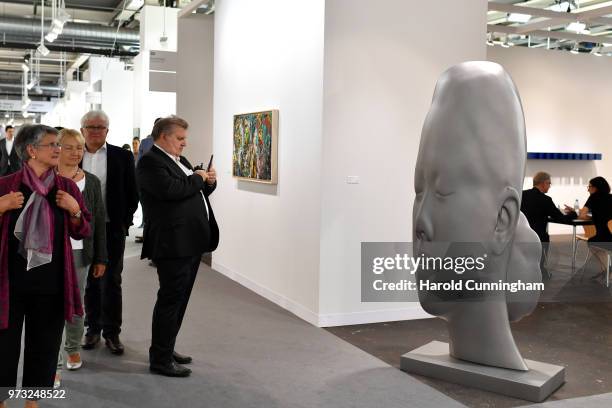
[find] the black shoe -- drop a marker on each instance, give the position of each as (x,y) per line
(91,341)
(114,345)
(181,359)
(170,370)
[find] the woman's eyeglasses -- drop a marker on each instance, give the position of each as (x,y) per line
(50,145)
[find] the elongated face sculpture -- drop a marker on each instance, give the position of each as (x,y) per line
(468,181)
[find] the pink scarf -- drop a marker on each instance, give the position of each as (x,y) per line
(34,227)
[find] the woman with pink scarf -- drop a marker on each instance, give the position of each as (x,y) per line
(39,212)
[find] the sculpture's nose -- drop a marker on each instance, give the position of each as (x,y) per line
(423,226)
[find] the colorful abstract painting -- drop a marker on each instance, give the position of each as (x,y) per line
(255,141)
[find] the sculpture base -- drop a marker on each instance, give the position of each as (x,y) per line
(433,360)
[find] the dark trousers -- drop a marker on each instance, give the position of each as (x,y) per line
(103,297)
(176,279)
(44,323)
(543,259)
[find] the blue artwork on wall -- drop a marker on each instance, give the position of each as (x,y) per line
(563,156)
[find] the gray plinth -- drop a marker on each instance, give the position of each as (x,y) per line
(433,360)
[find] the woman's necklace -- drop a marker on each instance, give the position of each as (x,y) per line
(76,173)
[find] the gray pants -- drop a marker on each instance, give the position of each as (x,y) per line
(73,332)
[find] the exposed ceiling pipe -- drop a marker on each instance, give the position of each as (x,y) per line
(75,36)
(45,88)
(97,49)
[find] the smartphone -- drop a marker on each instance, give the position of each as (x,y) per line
(209,162)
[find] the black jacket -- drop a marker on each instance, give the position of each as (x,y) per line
(9,164)
(94,247)
(539,208)
(175,217)
(121,191)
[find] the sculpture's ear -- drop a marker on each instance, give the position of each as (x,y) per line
(507,217)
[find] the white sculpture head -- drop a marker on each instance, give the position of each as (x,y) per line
(468,182)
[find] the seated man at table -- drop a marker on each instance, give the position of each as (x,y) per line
(539,209)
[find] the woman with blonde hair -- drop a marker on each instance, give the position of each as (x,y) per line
(89,252)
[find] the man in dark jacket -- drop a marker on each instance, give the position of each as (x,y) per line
(114,167)
(539,209)
(9,161)
(180,226)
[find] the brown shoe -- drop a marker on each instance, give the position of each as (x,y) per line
(114,345)
(91,341)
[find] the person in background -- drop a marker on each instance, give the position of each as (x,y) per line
(9,161)
(126,147)
(90,252)
(180,227)
(39,212)
(145,146)
(147,142)
(114,167)
(135,148)
(599,205)
(539,209)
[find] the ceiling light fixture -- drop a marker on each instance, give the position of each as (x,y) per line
(59,17)
(164,38)
(25,103)
(576,26)
(518,18)
(565,6)
(44,51)
(32,83)
(134,5)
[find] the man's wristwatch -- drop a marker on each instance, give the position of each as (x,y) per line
(76,214)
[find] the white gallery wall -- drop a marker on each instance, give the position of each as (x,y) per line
(352,87)
(155,23)
(567,100)
(194,94)
(381,67)
(118,104)
(268,54)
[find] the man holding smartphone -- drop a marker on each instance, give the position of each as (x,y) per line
(180,227)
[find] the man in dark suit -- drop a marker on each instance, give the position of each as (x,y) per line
(114,167)
(539,209)
(9,161)
(180,226)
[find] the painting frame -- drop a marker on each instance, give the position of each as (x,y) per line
(255,146)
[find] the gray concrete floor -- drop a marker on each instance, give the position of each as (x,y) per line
(247,352)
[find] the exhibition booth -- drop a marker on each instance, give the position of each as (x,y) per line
(332,124)
(352,85)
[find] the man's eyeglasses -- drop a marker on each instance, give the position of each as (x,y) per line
(96,128)
(50,145)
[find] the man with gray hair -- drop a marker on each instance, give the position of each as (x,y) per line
(539,209)
(114,167)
